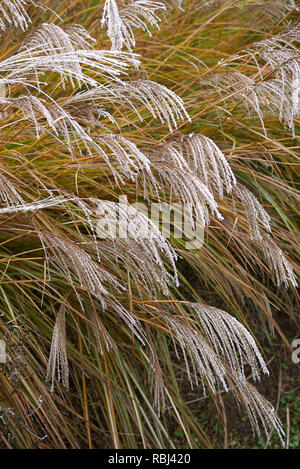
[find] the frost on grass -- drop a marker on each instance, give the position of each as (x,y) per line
(125,221)
(158,386)
(121,156)
(74,263)
(161,102)
(62,119)
(148,275)
(255,213)
(52,40)
(120,22)
(267,10)
(260,412)
(185,187)
(257,97)
(190,169)
(19,206)
(195,170)
(280,53)
(73,260)
(199,358)
(8,192)
(45,115)
(209,163)
(101,333)
(230,339)
(259,222)
(277,262)
(200,155)
(58,360)
(33,63)
(13,12)
(282,56)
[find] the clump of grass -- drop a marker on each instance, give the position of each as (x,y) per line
(205,116)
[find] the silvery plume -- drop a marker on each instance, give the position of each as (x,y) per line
(196,171)
(58,360)
(77,265)
(223,337)
(13,12)
(263,98)
(122,220)
(121,21)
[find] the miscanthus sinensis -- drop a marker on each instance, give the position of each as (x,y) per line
(62,86)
